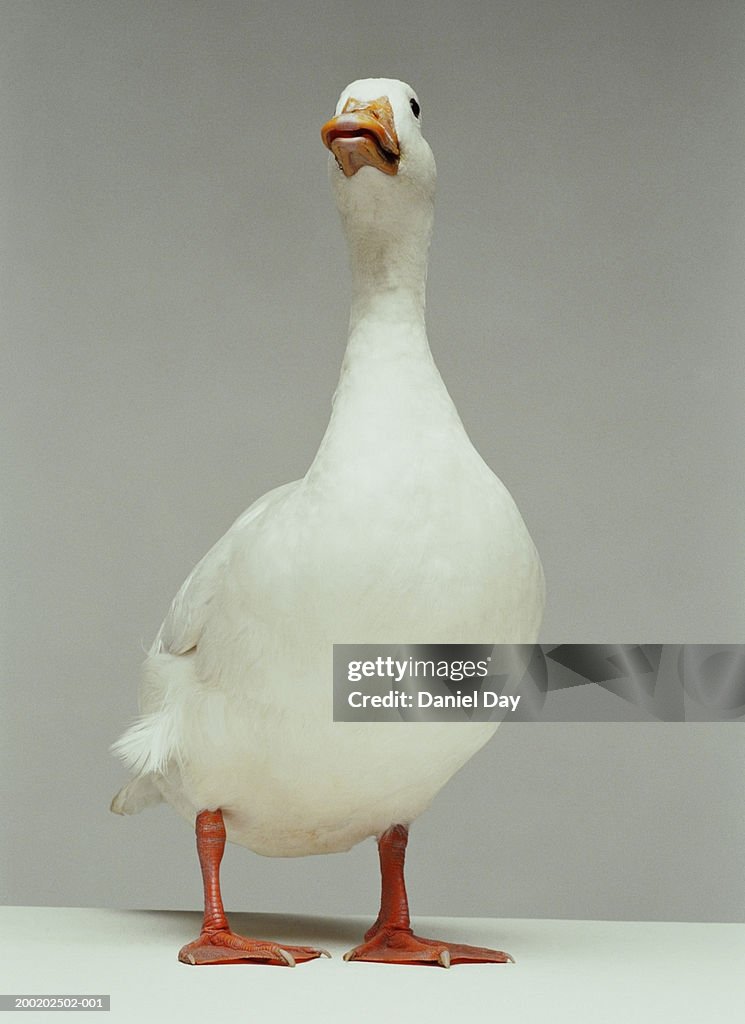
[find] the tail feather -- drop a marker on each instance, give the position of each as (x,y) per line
(152,746)
(168,686)
(148,744)
(136,795)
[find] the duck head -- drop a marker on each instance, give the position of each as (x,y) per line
(381,167)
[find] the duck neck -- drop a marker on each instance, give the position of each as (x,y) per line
(388,286)
(388,235)
(389,277)
(391,406)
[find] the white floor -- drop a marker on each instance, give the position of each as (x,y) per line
(578,971)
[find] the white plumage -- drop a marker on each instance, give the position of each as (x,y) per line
(398,533)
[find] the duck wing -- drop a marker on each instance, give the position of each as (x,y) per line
(170,678)
(184,624)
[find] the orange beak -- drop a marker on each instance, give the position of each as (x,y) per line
(363,135)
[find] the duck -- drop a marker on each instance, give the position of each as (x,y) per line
(398,533)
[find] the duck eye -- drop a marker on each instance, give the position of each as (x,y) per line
(415,107)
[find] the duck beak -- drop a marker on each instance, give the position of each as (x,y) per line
(363,135)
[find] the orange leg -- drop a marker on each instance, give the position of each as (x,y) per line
(391,940)
(217,944)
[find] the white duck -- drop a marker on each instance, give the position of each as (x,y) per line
(398,533)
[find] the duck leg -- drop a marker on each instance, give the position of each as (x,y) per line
(391,940)
(217,944)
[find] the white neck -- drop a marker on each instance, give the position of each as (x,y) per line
(388,279)
(390,404)
(388,227)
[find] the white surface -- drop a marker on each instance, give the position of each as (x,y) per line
(565,970)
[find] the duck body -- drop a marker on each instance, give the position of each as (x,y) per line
(398,533)
(240,677)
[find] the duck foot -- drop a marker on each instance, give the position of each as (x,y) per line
(401,946)
(217,944)
(391,940)
(225,947)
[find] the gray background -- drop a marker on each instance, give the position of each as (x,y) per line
(175,301)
